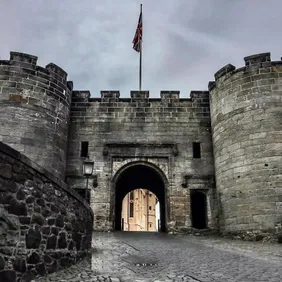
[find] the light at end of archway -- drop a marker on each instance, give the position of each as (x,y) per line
(140,211)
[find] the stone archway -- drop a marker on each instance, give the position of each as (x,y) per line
(139,175)
(198,209)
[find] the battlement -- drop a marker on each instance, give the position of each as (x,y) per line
(261,60)
(21,75)
(140,107)
(255,64)
(29,63)
(166,96)
(23,57)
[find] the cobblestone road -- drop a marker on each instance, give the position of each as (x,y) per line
(146,257)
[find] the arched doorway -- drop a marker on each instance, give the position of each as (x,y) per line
(198,209)
(139,176)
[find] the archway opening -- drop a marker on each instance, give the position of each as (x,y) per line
(140,211)
(141,177)
(199,210)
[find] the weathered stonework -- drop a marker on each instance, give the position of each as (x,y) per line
(143,141)
(44,226)
(151,132)
(246,107)
(119,163)
(36,116)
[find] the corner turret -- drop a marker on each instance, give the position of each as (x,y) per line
(246,125)
(35,104)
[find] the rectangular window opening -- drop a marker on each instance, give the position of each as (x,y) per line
(196,150)
(131,209)
(150,208)
(84,149)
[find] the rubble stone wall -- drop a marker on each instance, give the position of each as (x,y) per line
(44,225)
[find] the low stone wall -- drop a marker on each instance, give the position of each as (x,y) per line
(44,225)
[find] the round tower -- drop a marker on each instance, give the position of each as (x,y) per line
(35,107)
(246,120)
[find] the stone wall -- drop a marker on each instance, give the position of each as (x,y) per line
(246,112)
(44,226)
(157,132)
(34,116)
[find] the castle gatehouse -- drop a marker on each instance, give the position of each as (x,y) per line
(213,159)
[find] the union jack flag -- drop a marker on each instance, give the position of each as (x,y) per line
(138,35)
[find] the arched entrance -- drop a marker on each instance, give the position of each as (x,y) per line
(136,176)
(199,209)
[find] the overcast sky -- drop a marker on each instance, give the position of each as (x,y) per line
(185,41)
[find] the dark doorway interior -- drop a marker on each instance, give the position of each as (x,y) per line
(139,176)
(199,209)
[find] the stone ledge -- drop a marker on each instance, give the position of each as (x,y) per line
(114,149)
(22,158)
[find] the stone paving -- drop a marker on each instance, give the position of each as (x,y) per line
(157,257)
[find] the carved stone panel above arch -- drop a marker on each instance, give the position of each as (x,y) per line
(161,163)
(159,155)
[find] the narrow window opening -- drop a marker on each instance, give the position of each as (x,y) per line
(131,209)
(196,150)
(132,195)
(150,208)
(84,149)
(122,224)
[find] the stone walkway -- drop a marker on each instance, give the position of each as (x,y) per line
(156,257)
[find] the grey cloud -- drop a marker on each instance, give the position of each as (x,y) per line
(185,42)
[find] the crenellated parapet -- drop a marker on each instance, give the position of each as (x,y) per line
(254,65)
(21,76)
(35,104)
(139,96)
(140,106)
(246,110)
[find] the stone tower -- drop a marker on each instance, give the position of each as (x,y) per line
(35,107)
(246,112)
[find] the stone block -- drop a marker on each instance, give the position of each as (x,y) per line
(40,268)
(5,170)
(51,242)
(59,221)
(16,207)
(2,263)
(19,265)
(34,258)
(62,240)
(8,275)
(33,239)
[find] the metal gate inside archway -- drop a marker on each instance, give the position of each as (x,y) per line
(139,176)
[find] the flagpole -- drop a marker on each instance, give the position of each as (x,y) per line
(140,58)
